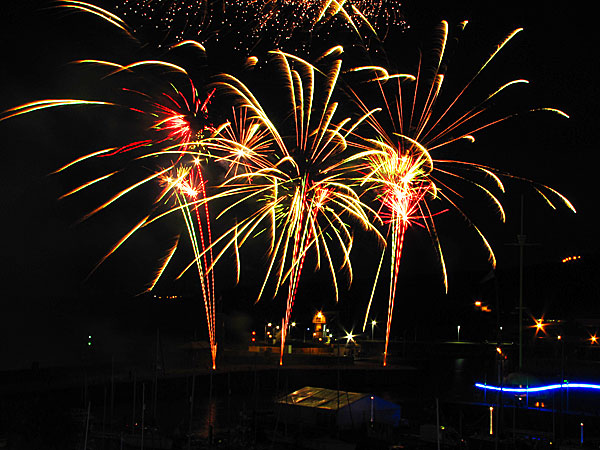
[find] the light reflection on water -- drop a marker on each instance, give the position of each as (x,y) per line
(226,411)
(208,417)
(440,378)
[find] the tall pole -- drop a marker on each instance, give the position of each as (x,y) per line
(210,411)
(133,413)
(87,426)
(155,387)
(521,239)
(192,409)
(437,421)
(112,390)
(143,412)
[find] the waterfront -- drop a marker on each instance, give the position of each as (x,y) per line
(233,407)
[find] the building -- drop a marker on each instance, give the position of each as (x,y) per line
(315,407)
(320,322)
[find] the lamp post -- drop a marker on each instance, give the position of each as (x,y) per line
(373,323)
(521,243)
(458,333)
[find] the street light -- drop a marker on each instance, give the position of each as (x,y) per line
(540,325)
(269,325)
(373,323)
(458,333)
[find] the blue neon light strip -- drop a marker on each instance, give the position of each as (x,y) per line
(548,387)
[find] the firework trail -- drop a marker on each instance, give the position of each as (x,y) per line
(97,11)
(298,183)
(404,178)
(179,123)
(188,187)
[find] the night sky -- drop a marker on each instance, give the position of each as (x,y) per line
(47,254)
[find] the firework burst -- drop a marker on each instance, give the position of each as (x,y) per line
(404,177)
(175,19)
(298,184)
(277,22)
(176,120)
(293,180)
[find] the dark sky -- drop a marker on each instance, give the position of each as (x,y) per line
(46,253)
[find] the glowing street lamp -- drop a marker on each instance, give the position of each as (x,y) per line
(269,325)
(373,323)
(539,326)
(349,337)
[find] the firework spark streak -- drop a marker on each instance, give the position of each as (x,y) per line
(301,182)
(188,186)
(97,11)
(43,104)
(404,178)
